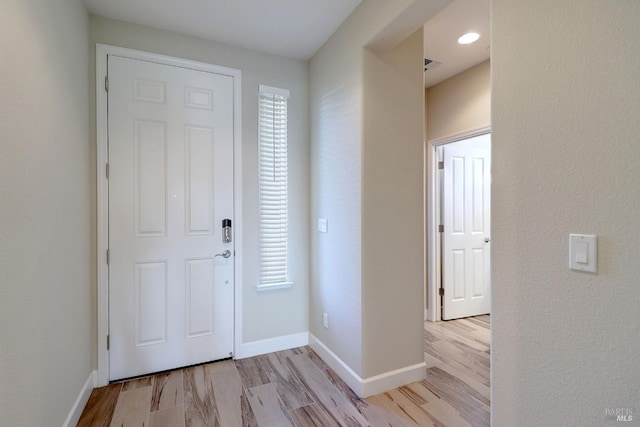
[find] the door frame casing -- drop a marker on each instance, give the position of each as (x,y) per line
(433,238)
(102,52)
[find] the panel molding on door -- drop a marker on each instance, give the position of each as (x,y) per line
(199,179)
(150,177)
(200,315)
(150,302)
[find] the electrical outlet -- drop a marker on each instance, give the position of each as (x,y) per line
(323,225)
(325,320)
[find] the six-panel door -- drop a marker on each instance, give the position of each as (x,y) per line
(466,247)
(170,187)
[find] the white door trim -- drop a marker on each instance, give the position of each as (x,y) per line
(102,51)
(434,314)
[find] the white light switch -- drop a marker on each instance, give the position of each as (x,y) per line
(583,252)
(323,225)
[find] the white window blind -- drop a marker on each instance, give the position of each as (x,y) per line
(272,134)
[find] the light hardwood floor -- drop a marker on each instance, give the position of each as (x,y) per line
(296,388)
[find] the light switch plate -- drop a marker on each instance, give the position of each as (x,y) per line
(583,252)
(323,225)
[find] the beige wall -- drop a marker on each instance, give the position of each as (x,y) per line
(566,159)
(270,314)
(460,103)
(392,207)
(45,220)
(335,95)
(363,151)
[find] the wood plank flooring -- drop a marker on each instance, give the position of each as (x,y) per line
(296,388)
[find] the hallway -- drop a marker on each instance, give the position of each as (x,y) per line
(296,388)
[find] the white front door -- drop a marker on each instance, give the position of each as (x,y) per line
(170,187)
(466,215)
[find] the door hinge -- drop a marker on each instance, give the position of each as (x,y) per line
(441,228)
(107,170)
(108,342)
(108,257)
(441,292)
(440,165)
(106,83)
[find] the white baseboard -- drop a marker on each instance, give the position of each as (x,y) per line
(285,342)
(393,379)
(81,401)
(372,385)
(343,370)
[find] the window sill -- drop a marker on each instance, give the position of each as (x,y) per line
(273,286)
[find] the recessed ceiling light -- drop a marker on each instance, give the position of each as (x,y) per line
(468,38)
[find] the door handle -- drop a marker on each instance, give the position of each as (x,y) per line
(225,254)
(487,240)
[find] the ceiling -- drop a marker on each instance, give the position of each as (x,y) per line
(441,39)
(298,28)
(292,28)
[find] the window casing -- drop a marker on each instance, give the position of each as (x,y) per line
(273,188)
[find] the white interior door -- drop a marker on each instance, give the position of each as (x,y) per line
(466,215)
(170,187)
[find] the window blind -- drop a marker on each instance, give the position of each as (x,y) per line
(272,135)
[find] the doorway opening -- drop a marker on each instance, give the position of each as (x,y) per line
(458,226)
